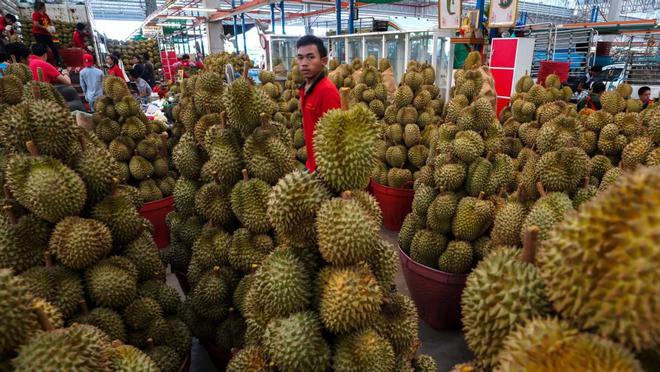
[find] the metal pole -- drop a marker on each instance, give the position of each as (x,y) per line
(351,16)
(338,8)
(243,27)
(283,16)
(272,17)
(480,7)
(233,5)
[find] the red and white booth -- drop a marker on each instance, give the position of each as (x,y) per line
(510,59)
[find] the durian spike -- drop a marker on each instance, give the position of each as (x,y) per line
(32,148)
(43,320)
(246,68)
(40,76)
(540,188)
(116,343)
(264,119)
(246,177)
(216,178)
(223,119)
(347,195)
(115,186)
(345,99)
(7,209)
(488,155)
(150,344)
(530,241)
(48,259)
(83,307)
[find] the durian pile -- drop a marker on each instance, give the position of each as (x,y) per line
(139,146)
(323,298)
(370,89)
(458,187)
(216,62)
(129,49)
(64,32)
(409,121)
(342,74)
(228,160)
(73,244)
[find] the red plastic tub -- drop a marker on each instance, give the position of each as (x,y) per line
(436,293)
(394,203)
(553,67)
(72,57)
(155,212)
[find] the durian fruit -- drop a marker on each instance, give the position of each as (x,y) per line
(82,346)
(58,285)
(112,282)
(342,139)
(128,358)
(118,213)
(144,254)
(524,83)
(508,223)
(45,186)
(186,157)
(473,218)
(296,343)
(441,212)
(350,298)
(79,242)
(18,321)
(520,295)
(549,344)
(602,234)
(249,201)
(139,314)
(409,228)
(165,357)
(23,240)
(107,320)
(546,212)
(184,194)
(266,155)
(427,246)
(210,295)
(612,102)
(212,201)
(251,358)
(97,168)
(562,170)
(248,249)
(339,242)
(457,258)
(364,350)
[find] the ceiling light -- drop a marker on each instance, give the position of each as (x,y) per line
(193,9)
(179,17)
(169,24)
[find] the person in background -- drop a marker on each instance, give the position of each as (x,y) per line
(138,65)
(50,74)
(589,78)
(80,36)
(91,80)
(19,51)
(7,28)
(318,94)
(592,101)
(143,89)
(149,73)
(4,60)
(43,30)
(644,94)
(111,61)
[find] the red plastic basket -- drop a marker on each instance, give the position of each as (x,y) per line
(155,212)
(553,67)
(436,293)
(394,203)
(72,57)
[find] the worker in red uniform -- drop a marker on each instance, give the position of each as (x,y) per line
(112,62)
(43,30)
(79,36)
(318,94)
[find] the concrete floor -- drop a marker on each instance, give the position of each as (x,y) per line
(448,348)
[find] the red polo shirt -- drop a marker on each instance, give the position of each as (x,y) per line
(321,97)
(116,71)
(78,39)
(44,20)
(50,73)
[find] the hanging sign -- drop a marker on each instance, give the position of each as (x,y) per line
(449,13)
(503,13)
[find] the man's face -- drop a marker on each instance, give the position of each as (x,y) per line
(309,61)
(646,96)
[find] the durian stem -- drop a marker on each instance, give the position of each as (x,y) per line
(264,119)
(481,196)
(216,177)
(223,119)
(246,68)
(490,153)
(216,270)
(7,192)
(83,307)
(502,192)
(13,58)
(7,209)
(246,177)
(115,186)
(43,320)
(48,259)
(40,76)
(150,344)
(163,148)
(540,188)
(82,141)
(529,244)
(347,195)
(586,182)
(344,95)
(116,343)
(32,148)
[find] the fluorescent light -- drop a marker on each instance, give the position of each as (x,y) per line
(193,9)
(169,24)
(180,17)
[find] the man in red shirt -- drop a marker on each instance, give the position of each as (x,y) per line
(318,94)
(43,29)
(50,74)
(79,36)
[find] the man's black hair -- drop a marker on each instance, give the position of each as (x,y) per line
(10,18)
(185,56)
(39,4)
(80,26)
(145,56)
(39,49)
(4,56)
(137,56)
(114,58)
(598,88)
(134,74)
(643,90)
(18,50)
(313,40)
(597,68)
